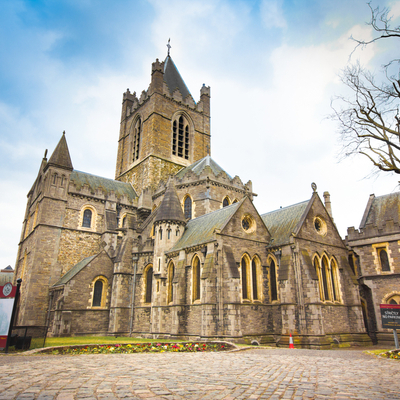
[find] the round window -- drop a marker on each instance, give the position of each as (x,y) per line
(248,223)
(320,226)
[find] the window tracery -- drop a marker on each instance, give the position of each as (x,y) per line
(180,137)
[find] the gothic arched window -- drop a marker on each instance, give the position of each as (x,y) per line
(272,281)
(196,278)
(188,207)
(180,138)
(383,257)
(225,202)
(137,130)
(149,284)
(243,268)
(98,291)
(87,218)
(171,275)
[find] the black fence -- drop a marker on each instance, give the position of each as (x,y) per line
(21,336)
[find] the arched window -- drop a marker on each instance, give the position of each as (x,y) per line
(254,279)
(325,274)
(148,284)
(97,293)
(244,274)
(392,299)
(225,202)
(384,260)
(137,130)
(196,278)
(328,278)
(180,138)
(334,281)
(171,275)
(272,281)
(188,207)
(160,233)
(87,218)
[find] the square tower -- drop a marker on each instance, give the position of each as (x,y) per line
(163,131)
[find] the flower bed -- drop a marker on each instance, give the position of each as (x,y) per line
(142,348)
(392,354)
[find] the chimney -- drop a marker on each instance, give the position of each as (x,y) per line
(327,201)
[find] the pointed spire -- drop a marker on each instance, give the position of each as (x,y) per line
(173,78)
(60,157)
(170,207)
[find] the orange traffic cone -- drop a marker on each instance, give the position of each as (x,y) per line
(291,345)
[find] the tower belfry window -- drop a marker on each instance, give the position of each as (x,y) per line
(180,138)
(136,140)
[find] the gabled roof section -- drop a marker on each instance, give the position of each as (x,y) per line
(106,185)
(170,208)
(381,209)
(201,230)
(283,222)
(198,167)
(74,270)
(173,78)
(60,157)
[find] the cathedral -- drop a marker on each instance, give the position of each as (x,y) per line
(174,247)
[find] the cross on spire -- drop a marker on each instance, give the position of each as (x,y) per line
(169,46)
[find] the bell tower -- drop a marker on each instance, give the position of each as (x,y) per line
(163,130)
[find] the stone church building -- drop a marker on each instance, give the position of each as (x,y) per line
(174,247)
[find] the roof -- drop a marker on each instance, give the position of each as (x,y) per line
(173,78)
(170,208)
(107,185)
(283,222)
(74,270)
(381,209)
(60,156)
(201,230)
(198,167)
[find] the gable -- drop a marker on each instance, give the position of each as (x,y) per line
(317,225)
(246,223)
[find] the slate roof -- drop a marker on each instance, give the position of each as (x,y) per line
(201,230)
(173,78)
(60,156)
(381,209)
(106,185)
(282,222)
(198,167)
(74,270)
(170,208)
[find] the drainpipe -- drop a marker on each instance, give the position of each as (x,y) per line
(135,261)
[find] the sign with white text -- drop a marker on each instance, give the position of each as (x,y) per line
(390,314)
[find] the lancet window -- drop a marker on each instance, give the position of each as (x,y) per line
(180,138)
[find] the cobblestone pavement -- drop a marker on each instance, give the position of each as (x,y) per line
(251,374)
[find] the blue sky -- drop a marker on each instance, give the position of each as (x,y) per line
(272,67)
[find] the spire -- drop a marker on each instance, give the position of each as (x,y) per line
(173,78)
(60,157)
(170,207)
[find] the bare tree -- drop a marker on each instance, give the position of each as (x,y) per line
(369,119)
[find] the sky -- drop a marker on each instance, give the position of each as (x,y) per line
(273,67)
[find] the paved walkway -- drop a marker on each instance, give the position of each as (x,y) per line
(252,374)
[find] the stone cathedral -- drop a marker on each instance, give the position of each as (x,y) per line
(173,247)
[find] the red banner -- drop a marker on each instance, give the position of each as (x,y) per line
(7,295)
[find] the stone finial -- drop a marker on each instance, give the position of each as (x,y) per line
(205,90)
(314,187)
(157,66)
